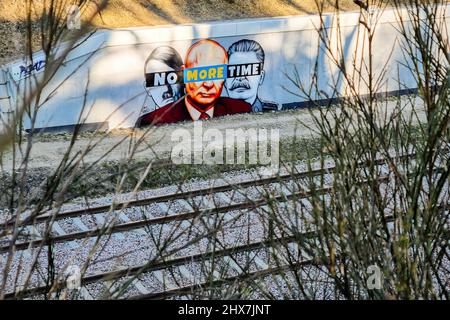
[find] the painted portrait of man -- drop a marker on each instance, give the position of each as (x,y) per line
(202,96)
(245,87)
(202,100)
(164,59)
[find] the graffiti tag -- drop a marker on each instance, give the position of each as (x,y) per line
(27,70)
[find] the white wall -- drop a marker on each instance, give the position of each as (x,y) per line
(116,70)
(5,100)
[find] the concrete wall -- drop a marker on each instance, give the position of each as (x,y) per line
(111,65)
(6,100)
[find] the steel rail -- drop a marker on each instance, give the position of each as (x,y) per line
(161,264)
(128,226)
(174,262)
(164,198)
(190,289)
(179,195)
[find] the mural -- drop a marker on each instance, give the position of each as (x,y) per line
(193,90)
(167,74)
(167,88)
(242,85)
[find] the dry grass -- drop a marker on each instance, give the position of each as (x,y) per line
(155,12)
(121,13)
(130,13)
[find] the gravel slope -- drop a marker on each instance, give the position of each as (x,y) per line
(134,13)
(48,151)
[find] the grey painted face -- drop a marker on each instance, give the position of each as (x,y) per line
(163,95)
(246,87)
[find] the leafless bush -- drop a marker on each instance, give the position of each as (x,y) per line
(398,226)
(385,207)
(46,265)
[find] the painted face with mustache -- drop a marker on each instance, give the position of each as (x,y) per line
(163,95)
(240,84)
(244,88)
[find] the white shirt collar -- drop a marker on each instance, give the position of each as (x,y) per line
(195,114)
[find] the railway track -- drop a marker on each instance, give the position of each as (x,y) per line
(109,280)
(125,223)
(127,226)
(44,217)
(260,267)
(164,198)
(165,264)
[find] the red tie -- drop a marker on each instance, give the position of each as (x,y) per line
(204,116)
